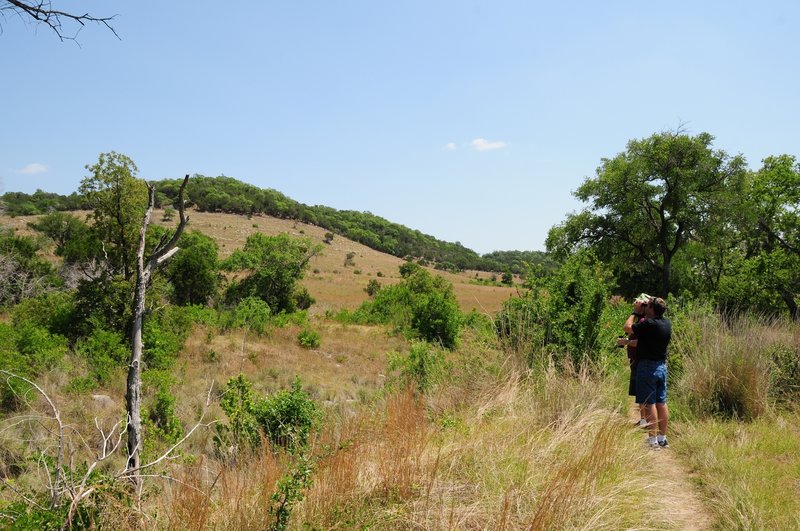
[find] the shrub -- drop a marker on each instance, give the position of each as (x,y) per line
(559,313)
(288,416)
(308,338)
(424,365)
(785,373)
(164,334)
(252,313)
(238,403)
(194,270)
(422,304)
(103,350)
(373,286)
(53,310)
(285,419)
(274,266)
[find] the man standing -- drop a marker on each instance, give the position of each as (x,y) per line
(652,337)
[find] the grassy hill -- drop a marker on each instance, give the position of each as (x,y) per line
(334,285)
(228,195)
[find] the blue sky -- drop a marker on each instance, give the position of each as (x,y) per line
(470,121)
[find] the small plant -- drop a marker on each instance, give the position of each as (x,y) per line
(316,271)
(424,365)
(255,225)
(308,338)
(379,274)
(356,271)
(373,287)
(169,214)
(348,259)
(287,417)
(328,238)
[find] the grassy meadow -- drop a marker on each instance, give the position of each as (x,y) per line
(477,437)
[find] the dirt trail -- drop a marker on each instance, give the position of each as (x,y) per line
(680,501)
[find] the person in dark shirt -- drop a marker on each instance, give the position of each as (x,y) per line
(653,335)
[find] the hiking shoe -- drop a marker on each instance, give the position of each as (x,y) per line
(663,444)
(641,423)
(655,446)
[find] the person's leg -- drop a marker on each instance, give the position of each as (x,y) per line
(661,403)
(651,416)
(663,418)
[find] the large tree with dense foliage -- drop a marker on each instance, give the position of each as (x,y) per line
(766,268)
(273,266)
(648,203)
(194,272)
(118,199)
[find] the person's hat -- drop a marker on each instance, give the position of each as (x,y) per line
(642,298)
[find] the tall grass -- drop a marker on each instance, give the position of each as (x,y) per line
(730,367)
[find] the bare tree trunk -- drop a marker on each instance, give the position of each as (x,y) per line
(144,270)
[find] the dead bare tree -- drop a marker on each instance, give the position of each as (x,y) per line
(42,12)
(165,249)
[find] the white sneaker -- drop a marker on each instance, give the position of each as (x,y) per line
(653,445)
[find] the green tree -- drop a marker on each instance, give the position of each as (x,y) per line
(647,203)
(118,200)
(194,271)
(274,266)
(768,266)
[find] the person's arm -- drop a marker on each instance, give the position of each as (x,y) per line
(625,342)
(638,313)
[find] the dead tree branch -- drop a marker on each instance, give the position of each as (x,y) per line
(144,270)
(42,12)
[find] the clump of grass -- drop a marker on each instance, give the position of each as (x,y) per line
(729,366)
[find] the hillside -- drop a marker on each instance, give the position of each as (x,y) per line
(333,285)
(228,195)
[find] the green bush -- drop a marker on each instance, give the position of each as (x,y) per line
(54,310)
(308,338)
(164,334)
(251,313)
(422,304)
(274,265)
(287,417)
(104,351)
(560,314)
(373,287)
(424,365)
(194,270)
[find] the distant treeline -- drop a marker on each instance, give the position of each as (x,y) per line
(226,194)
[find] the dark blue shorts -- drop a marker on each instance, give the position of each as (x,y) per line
(651,382)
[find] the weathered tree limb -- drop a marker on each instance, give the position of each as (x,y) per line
(144,270)
(59,472)
(41,11)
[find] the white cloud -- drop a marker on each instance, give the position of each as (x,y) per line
(34,168)
(481,144)
(450,146)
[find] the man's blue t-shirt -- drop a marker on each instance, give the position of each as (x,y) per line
(653,335)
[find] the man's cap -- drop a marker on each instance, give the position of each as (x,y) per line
(643,297)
